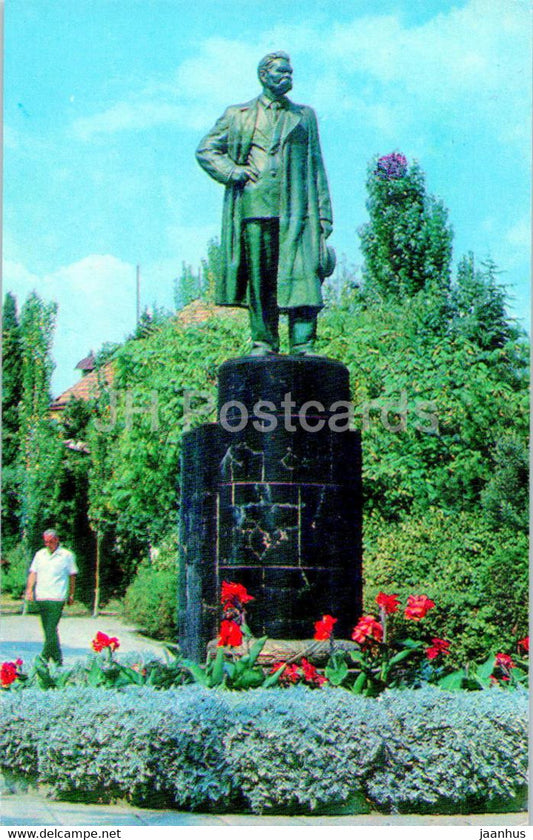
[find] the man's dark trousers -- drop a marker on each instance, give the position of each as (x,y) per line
(261,242)
(50,612)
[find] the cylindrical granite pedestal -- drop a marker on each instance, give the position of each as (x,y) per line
(271,498)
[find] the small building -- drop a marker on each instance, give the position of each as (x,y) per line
(87,387)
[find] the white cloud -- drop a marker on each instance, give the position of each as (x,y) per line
(469,63)
(139,114)
(481,45)
(96,298)
(519,235)
(474,57)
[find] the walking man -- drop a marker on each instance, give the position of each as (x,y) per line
(277,210)
(51,582)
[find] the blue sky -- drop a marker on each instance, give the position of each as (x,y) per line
(106,100)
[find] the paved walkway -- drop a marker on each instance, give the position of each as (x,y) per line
(22,637)
(32,809)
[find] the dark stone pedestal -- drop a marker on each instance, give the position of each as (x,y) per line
(271,498)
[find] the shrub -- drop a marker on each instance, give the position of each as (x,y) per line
(15,567)
(151,601)
(449,750)
(274,750)
(477,576)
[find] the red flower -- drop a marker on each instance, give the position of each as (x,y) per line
(230,634)
(234,595)
(324,628)
(389,603)
(418,606)
(439,646)
(524,644)
(102,640)
(293,673)
(504,661)
(290,673)
(311,674)
(9,672)
(367,628)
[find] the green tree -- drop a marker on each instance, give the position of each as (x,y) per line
(189,286)
(101,438)
(211,269)
(505,498)
(407,242)
(478,305)
(11,397)
(431,407)
(40,444)
(70,491)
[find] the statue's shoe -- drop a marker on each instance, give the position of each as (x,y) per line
(262,350)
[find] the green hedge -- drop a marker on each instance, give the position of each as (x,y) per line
(15,571)
(152,601)
(292,751)
(477,576)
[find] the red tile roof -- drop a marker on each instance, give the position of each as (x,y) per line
(87,363)
(85,389)
(196,312)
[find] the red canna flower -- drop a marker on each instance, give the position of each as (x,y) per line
(438,646)
(324,628)
(418,606)
(234,595)
(367,628)
(102,640)
(524,644)
(389,603)
(9,672)
(290,673)
(503,660)
(230,634)
(311,674)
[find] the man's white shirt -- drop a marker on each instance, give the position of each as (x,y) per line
(53,572)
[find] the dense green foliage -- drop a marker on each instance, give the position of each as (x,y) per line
(40,450)
(268,751)
(464,565)
(11,396)
(154,379)
(407,244)
(433,405)
(152,597)
(15,565)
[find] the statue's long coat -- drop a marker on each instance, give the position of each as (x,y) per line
(304,202)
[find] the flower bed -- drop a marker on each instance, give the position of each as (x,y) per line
(375,661)
(400,735)
(276,750)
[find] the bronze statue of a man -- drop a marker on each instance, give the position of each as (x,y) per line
(277,210)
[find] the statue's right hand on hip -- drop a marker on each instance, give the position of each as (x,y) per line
(242,174)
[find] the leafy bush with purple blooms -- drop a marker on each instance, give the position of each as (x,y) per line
(391,166)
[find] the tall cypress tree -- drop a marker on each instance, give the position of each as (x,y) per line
(40,446)
(407,242)
(11,397)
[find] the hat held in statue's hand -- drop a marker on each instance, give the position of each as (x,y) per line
(328,260)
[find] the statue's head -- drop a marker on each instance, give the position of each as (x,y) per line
(275,73)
